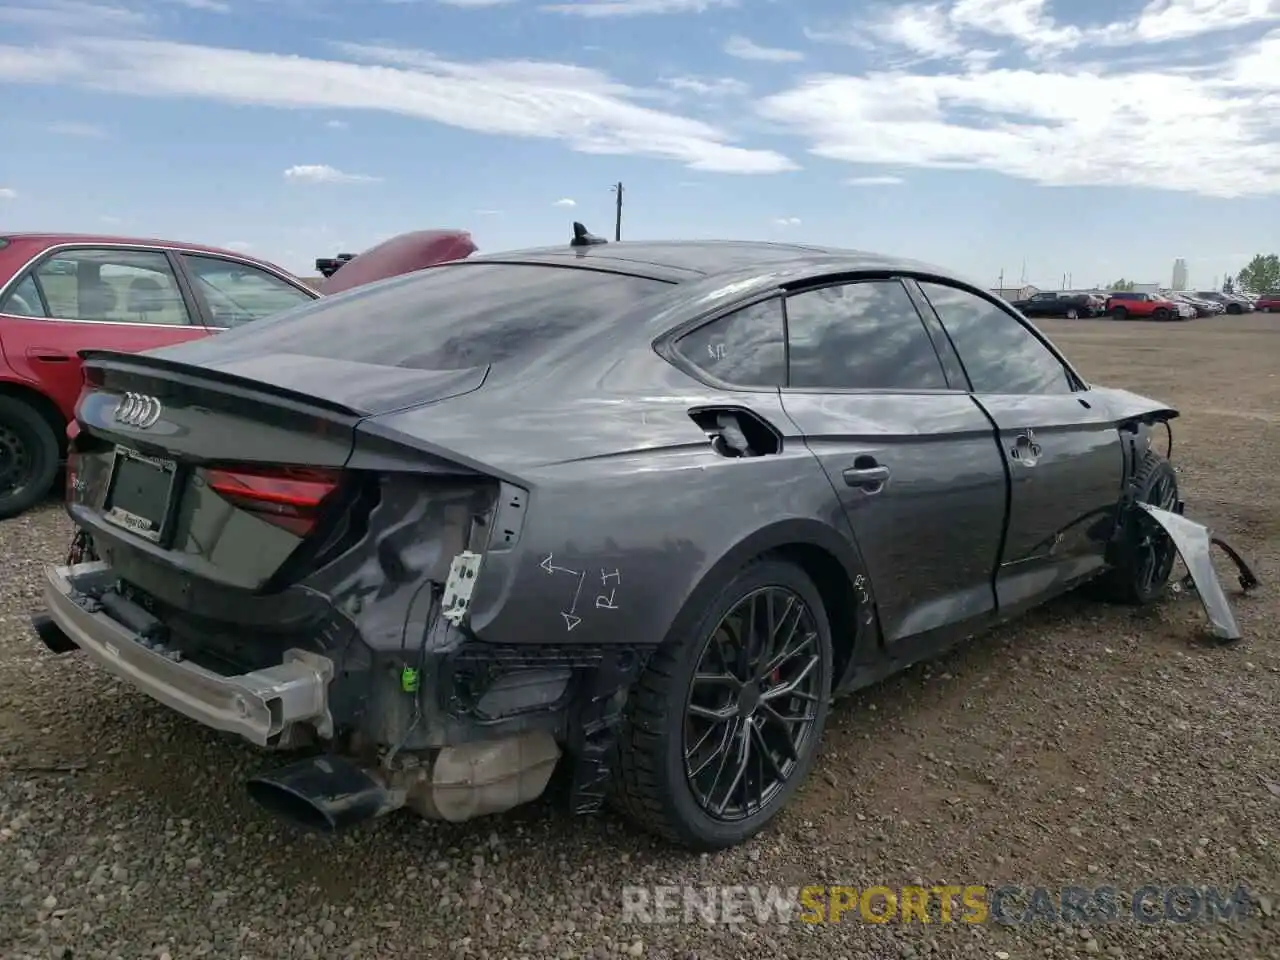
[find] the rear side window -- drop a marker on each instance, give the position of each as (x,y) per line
(746,348)
(860,336)
(449,317)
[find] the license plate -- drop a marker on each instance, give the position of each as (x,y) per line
(139,493)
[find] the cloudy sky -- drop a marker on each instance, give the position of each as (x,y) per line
(1088,138)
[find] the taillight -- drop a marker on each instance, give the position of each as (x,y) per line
(287,497)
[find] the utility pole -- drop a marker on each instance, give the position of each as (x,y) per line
(617,223)
(1000,282)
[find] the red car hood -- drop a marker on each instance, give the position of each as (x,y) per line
(402,254)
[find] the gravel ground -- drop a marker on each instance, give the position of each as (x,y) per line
(1086,745)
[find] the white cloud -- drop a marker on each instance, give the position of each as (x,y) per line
(336,124)
(1055,120)
(323,173)
(634,8)
(744,49)
(90,131)
(8,193)
(565,202)
(79,16)
(488,213)
(707,86)
(584,108)
(875,181)
(239,246)
(787,221)
(210,6)
(470,3)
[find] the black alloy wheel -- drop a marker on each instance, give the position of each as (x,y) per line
(724,723)
(1146,553)
(753,704)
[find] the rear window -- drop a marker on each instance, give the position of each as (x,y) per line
(448,317)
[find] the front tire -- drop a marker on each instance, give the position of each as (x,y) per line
(723,725)
(1145,554)
(28,457)
(1161,315)
(1119,313)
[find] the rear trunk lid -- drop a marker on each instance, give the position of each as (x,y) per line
(223,471)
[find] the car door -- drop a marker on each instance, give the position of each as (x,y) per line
(92,298)
(912,458)
(233,292)
(1064,453)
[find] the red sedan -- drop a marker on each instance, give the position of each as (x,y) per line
(63,293)
(1268,303)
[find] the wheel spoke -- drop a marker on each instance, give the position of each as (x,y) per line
(719,679)
(724,759)
(715,714)
(766,755)
(788,654)
(787,688)
(744,759)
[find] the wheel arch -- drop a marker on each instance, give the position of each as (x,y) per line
(42,405)
(829,559)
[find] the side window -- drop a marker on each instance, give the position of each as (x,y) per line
(745,348)
(116,286)
(1000,354)
(24,300)
(865,336)
(237,293)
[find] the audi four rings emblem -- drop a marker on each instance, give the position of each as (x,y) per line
(138,410)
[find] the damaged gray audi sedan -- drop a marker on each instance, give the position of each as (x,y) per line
(634,510)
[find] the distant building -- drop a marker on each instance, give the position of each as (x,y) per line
(1146,288)
(1179,274)
(1015,293)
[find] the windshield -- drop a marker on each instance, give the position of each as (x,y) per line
(448,317)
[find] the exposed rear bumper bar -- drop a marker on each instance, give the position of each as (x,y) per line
(259,706)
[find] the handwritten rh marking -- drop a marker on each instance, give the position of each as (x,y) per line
(606,603)
(616,577)
(571,619)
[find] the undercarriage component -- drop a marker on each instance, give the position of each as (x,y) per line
(1195,542)
(329,793)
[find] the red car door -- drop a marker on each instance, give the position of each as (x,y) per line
(109,297)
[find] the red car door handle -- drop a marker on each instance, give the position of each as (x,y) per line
(46,355)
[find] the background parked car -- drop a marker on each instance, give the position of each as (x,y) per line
(1062,303)
(1269,302)
(63,293)
(1142,306)
(1230,304)
(1202,308)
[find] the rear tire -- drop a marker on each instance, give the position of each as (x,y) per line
(1234,308)
(1145,555)
(661,782)
(28,457)
(1160,315)
(1119,313)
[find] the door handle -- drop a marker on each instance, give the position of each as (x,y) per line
(867,479)
(46,355)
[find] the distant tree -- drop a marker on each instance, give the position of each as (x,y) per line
(1262,275)
(1122,285)
(1228,284)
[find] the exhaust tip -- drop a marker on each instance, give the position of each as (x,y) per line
(50,634)
(324,794)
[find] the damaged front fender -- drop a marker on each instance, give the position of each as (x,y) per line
(1194,542)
